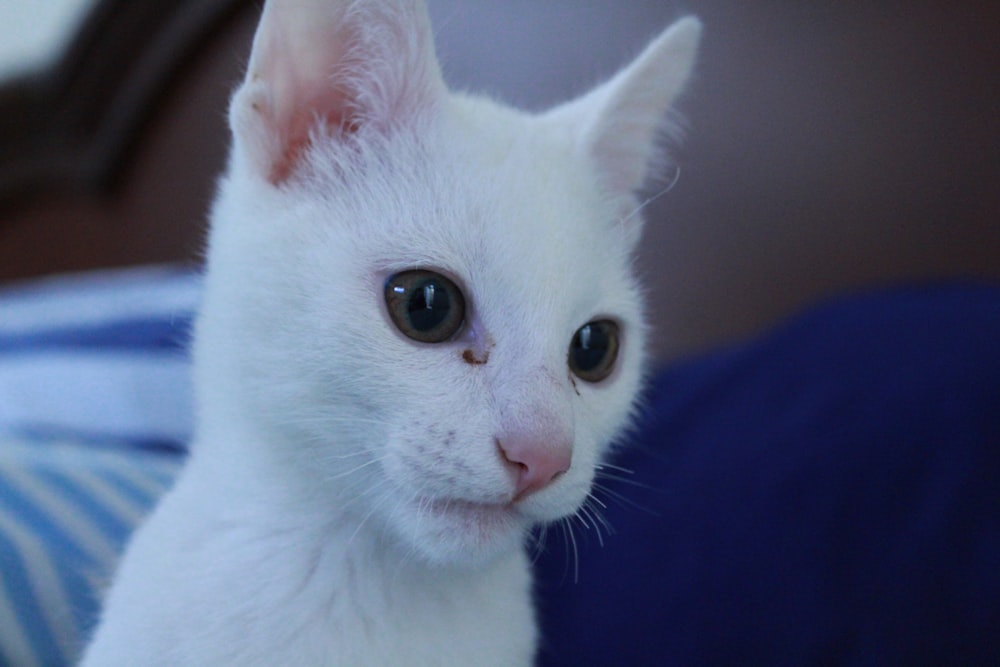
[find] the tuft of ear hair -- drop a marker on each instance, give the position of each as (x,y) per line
(329,66)
(618,122)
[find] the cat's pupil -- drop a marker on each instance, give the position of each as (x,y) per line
(424,305)
(593,350)
(428,307)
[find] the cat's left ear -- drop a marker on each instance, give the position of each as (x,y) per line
(618,122)
(333,67)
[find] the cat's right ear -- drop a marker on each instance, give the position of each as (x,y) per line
(331,68)
(620,123)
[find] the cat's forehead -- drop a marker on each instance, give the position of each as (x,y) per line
(493,199)
(498,188)
(514,235)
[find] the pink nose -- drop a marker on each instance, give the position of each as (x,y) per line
(536,462)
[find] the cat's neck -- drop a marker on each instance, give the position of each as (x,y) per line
(341,584)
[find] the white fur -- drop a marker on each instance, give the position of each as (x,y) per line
(331,512)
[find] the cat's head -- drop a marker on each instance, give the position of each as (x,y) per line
(421,305)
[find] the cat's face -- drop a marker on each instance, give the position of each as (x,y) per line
(408,433)
(433,323)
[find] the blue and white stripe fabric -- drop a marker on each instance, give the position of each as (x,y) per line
(66,509)
(95,413)
(101,356)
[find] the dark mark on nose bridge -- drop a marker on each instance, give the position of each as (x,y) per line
(470,357)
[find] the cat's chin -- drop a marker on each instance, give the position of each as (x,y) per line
(462,532)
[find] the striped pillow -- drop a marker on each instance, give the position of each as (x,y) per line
(66,509)
(95,413)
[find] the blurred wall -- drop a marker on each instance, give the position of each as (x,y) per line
(829,145)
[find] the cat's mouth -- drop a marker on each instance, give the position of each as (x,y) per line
(466,532)
(481,517)
(472,509)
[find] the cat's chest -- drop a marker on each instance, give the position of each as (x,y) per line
(348,604)
(483,618)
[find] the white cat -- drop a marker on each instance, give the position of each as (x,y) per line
(420,333)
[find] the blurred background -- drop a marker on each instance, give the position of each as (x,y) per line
(825,496)
(828,146)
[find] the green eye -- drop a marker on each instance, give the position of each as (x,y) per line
(424,305)
(593,350)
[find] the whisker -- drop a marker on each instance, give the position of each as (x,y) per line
(598,515)
(353,470)
(611,466)
(375,506)
(419,495)
(625,480)
(325,456)
(536,542)
(667,188)
(585,511)
(622,500)
(325,420)
(592,498)
(571,541)
(580,517)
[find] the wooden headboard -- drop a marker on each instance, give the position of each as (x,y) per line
(108,157)
(829,147)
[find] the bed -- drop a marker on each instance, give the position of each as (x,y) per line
(814,478)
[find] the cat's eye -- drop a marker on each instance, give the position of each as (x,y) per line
(593,350)
(425,305)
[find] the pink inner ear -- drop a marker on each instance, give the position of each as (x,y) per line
(326,66)
(297,55)
(330,109)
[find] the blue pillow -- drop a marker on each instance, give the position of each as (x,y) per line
(828,494)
